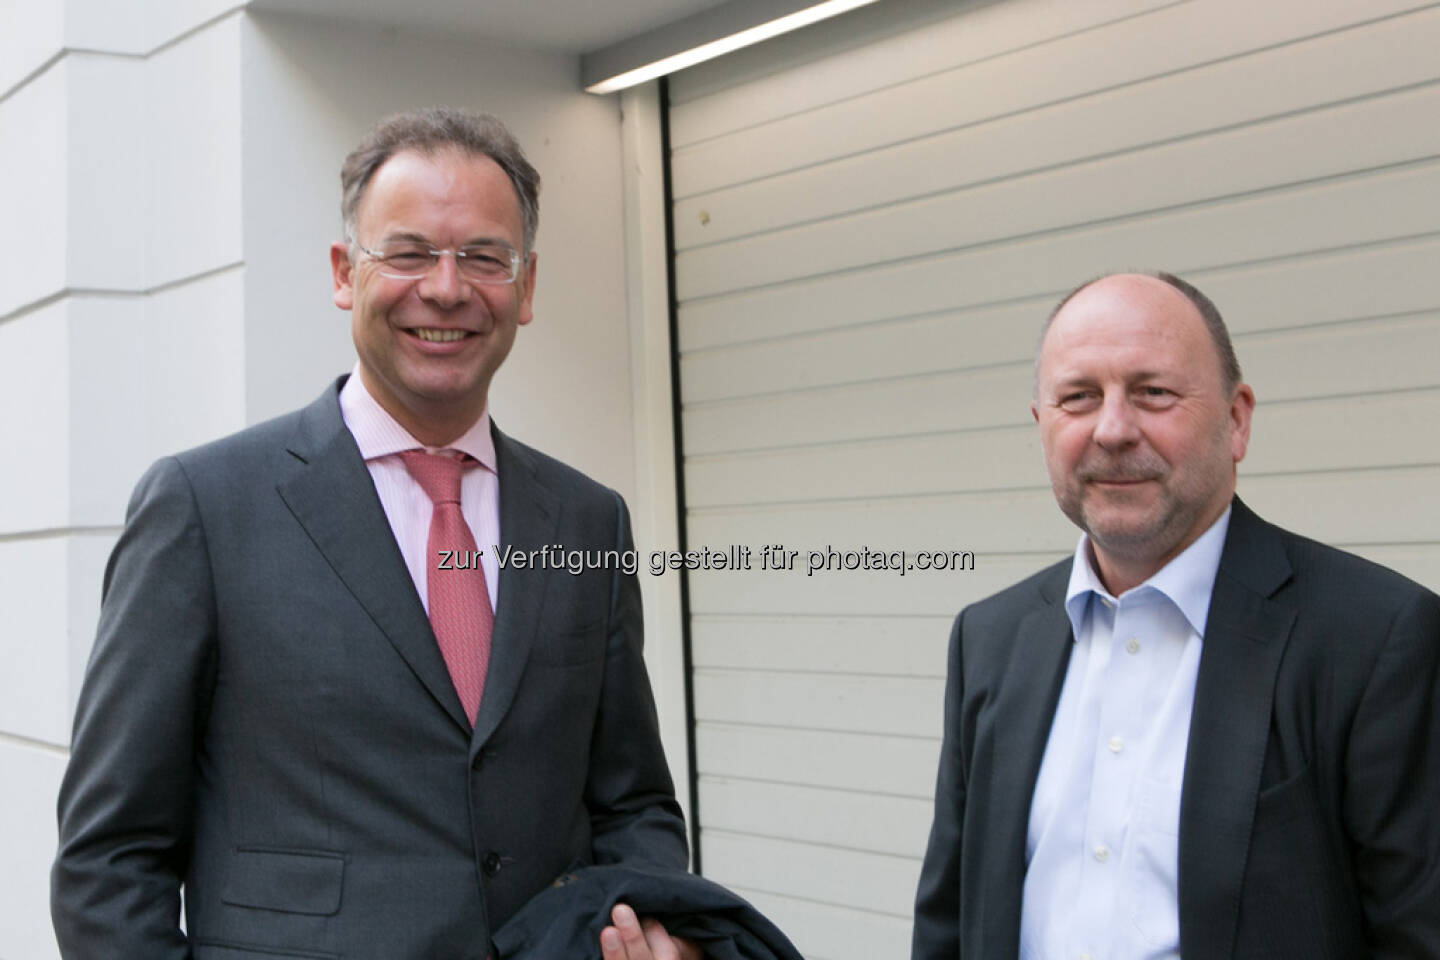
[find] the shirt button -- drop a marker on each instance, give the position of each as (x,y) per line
(1102,852)
(1132,645)
(1116,744)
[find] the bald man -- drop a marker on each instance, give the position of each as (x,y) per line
(1201,735)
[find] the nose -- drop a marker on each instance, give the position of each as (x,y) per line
(442,284)
(1115,425)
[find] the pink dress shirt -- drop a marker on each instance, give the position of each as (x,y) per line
(381,439)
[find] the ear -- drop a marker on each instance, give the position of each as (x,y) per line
(1242,406)
(341,270)
(526,291)
(1035,410)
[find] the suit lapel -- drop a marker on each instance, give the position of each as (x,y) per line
(333,498)
(1245,636)
(529,518)
(1024,711)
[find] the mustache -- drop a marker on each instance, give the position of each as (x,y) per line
(1127,470)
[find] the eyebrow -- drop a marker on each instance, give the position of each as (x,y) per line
(411,236)
(1136,377)
(1067,383)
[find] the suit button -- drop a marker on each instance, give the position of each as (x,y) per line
(491,864)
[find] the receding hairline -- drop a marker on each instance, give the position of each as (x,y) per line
(1223,349)
(428,131)
(436,152)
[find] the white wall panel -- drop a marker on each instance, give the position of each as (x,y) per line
(1374,280)
(299,123)
(112,26)
(34,646)
(1312,146)
(982,459)
(932,258)
(194,365)
(137,28)
(166,20)
(1399,354)
(50,592)
(33,202)
(35,394)
(1378,280)
(1343,433)
(950,340)
(1308,219)
(107,384)
(905,766)
(107,184)
(191,106)
(1352,508)
(856,594)
(883,883)
(34,32)
(109,424)
(990,397)
(896,646)
(859,55)
(1386,56)
(902,706)
(872,220)
(27,847)
(1028,76)
(858,820)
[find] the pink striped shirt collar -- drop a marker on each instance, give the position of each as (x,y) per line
(377,434)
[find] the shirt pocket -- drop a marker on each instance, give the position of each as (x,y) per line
(1152,864)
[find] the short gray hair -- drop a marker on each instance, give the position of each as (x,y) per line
(428,131)
(1219,335)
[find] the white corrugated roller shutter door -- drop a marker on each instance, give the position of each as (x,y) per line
(871,219)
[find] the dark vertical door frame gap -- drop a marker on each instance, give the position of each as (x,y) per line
(679,442)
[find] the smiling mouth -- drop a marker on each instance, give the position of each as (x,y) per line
(432,335)
(1118,483)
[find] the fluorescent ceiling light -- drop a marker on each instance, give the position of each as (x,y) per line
(724,45)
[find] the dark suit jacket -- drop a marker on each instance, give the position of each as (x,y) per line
(564,922)
(1310,810)
(267,718)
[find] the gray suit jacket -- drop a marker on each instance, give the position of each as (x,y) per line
(1308,814)
(267,719)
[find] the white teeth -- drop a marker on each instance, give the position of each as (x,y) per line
(439,336)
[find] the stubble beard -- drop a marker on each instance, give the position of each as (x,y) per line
(1153,527)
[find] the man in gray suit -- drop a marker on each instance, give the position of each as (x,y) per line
(307,706)
(1201,736)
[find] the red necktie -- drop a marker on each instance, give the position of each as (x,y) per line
(460,611)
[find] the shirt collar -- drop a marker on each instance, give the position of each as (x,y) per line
(378,434)
(1187,581)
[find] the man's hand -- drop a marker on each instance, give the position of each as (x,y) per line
(630,939)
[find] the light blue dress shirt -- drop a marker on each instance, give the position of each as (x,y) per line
(1103,840)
